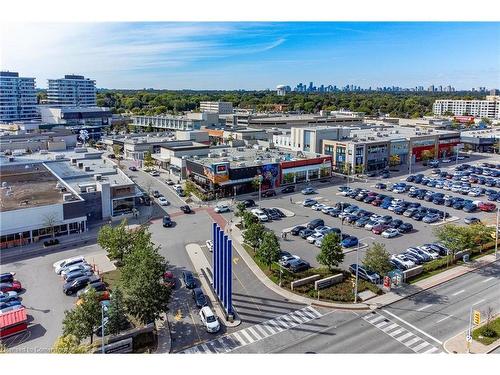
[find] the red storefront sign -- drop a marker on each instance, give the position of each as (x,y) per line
(417,151)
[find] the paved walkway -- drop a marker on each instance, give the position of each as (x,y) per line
(163,335)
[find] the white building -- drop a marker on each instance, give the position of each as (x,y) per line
(223,108)
(17,98)
(309,139)
(281,90)
(72,90)
(489,108)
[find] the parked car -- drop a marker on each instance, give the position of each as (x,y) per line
(59,265)
(249,203)
(209,320)
(259,214)
(167,221)
(308,190)
(381,186)
(268,193)
(199,297)
(430,218)
(309,202)
(295,230)
(288,189)
(79,283)
(390,233)
(163,201)
(98,287)
(304,233)
(286,259)
(133,168)
(403,261)
(155,173)
(70,276)
(349,241)
(471,220)
(169,182)
(405,228)
(14,286)
(222,208)
(6,305)
(189,280)
(313,224)
(186,209)
(82,267)
(379,228)
(487,206)
(299,265)
(314,236)
(8,296)
(7,277)
(365,274)
(169,279)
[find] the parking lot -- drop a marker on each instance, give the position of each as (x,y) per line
(328,194)
(44,299)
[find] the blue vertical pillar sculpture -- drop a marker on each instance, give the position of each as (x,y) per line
(215,255)
(229,279)
(220,264)
(222,294)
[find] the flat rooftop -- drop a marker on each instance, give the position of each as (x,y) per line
(482,133)
(29,185)
(239,157)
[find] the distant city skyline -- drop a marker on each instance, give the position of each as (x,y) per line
(257,56)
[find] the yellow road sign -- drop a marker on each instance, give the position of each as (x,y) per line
(477,317)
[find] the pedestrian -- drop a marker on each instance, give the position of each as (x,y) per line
(343,219)
(285,235)
(291,200)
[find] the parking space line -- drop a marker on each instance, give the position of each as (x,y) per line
(424,307)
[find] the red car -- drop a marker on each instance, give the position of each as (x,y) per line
(379,228)
(169,279)
(9,287)
(487,206)
(377,202)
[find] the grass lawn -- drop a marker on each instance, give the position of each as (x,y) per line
(111,278)
(478,333)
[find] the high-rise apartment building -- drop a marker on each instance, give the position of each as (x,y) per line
(17,98)
(72,90)
(489,108)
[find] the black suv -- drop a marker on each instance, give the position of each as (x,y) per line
(313,224)
(79,283)
(188,278)
(288,189)
(186,209)
(269,193)
(199,297)
(167,221)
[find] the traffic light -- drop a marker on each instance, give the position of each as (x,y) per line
(477,317)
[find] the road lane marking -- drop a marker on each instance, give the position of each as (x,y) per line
(431,350)
(390,328)
(421,346)
(478,302)
(376,319)
(239,338)
(424,307)
(488,279)
(459,292)
(412,341)
(396,332)
(443,319)
(412,326)
(296,318)
(405,336)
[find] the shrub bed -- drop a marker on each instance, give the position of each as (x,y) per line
(488,333)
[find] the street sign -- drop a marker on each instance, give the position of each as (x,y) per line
(477,317)
(468,338)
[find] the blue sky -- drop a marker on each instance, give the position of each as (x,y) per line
(257,55)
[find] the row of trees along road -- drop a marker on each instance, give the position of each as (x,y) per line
(140,294)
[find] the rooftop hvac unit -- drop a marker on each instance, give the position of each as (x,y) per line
(196,157)
(73,161)
(223,154)
(211,155)
(80,150)
(80,165)
(240,149)
(83,189)
(67,197)
(44,152)
(98,177)
(87,168)
(90,189)
(59,157)
(11,159)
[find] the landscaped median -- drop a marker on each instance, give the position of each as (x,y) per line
(340,292)
(485,338)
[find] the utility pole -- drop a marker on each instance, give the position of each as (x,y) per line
(102,329)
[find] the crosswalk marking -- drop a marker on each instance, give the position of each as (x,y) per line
(238,338)
(421,346)
(252,331)
(247,336)
(401,334)
(257,332)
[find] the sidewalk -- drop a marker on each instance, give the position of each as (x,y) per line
(430,282)
(163,335)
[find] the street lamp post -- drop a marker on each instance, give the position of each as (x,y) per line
(496,235)
(357,268)
(102,329)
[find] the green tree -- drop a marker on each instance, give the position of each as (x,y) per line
(247,218)
(115,240)
(84,319)
(377,259)
(331,254)
(117,150)
(394,160)
(269,249)
(427,155)
(254,234)
(146,296)
(456,238)
(149,162)
(69,344)
(240,209)
(117,318)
